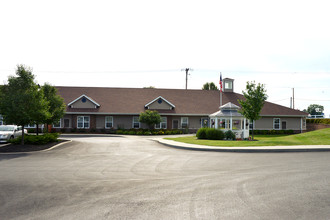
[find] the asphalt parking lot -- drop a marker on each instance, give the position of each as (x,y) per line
(128,177)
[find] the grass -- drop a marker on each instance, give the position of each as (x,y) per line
(319,137)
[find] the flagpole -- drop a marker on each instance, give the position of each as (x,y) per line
(220,89)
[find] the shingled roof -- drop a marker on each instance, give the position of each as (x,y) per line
(187,102)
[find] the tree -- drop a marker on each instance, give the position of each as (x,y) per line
(21,102)
(255,97)
(56,104)
(150,118)
(314,109)
(210,86)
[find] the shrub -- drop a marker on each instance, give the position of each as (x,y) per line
(36,139)
(119,131)
(201,133)
(147,133)
(319,121)
(168,132)
(229,135)
(139,133)
(131,132)
(214,134)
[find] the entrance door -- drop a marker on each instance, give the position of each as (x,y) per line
(175,124)
(66,123)
(283,125)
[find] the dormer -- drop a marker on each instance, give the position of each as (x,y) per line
(83,101)
(228,85)
(160,103)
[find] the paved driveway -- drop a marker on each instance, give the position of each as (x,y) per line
(136,178)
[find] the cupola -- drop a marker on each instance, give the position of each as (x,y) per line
(228,85)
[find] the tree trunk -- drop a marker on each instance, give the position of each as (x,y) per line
(23,135)
(252,133)
(37,131)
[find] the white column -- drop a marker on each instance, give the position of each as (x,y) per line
(216,123)
(231,123)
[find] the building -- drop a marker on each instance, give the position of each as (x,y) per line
(119,108)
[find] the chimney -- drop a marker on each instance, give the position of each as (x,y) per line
(228,85)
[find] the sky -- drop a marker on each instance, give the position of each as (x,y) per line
(282,44)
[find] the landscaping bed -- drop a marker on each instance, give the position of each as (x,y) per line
(32,143)
(319,137)
(13,148)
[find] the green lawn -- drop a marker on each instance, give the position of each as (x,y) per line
(319,137)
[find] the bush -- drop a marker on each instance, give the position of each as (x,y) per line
(319,121)
(201,133)
(229,135)
(214,134)
(131,132)
(147,133)
(36,139)
(119,131)
(139,133)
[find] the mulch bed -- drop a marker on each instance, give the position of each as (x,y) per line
(12,148)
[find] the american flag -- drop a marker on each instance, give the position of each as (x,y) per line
(220,82)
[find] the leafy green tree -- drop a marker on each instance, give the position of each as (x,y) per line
(150,118)
(56,104)
(255,97)
(21,102)
(315,109)
(210,86)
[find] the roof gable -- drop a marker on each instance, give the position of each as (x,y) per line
(85,102)
(159,103)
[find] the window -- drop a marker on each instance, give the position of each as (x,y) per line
(57,124)
(228,85)
(204,123)
(184,122)
(251,125)
(276,124)
(222,123)
(108,121)
(304,123)
(82,121)
(30,126)
(162,124)
(136,123)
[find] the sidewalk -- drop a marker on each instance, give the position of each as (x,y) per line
(266,149)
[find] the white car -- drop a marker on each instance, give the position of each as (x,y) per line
(10,132)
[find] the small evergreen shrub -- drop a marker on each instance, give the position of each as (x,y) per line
(131,132)
(230,135)
(119,131)
(201,133)
(214,134)
(36,139)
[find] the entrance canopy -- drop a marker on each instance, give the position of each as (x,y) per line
(228,118)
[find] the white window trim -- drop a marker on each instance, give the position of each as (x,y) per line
(279,127)
(89,122)
(162,122)
(187,122)
(60,124)
(253,124)
(105,121)
(136,122)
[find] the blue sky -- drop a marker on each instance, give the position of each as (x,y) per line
(283,44)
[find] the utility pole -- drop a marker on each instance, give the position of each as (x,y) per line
(293,98)
(187,73)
